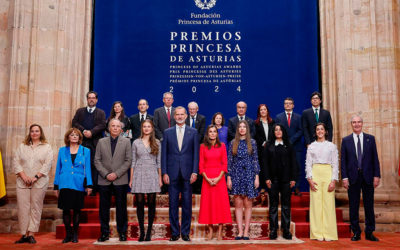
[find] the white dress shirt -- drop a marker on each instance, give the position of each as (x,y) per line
(361,141)
(291,115)
(322,153)
(319,109)
(244,117)
(91,108)
(266,129)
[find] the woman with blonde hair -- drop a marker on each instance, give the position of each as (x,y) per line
(32,164)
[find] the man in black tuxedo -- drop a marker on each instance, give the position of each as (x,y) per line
(360,172)
(241,108)
(137,119)
(312,116)
(91,121)
(292,123)
(164,116)
(197,121)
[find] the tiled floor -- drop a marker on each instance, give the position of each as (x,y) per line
(48,241)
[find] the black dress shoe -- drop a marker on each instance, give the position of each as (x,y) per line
(245,238)
(23,239)
(287,235)
(273,235)
(356,237)
(31,240)
(174,238)
(371,237)
(239,238)
(185,237)
(122,237)
(103,237)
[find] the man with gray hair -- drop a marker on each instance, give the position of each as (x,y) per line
(360,172)
(113,159)
(241,108)
(164,116)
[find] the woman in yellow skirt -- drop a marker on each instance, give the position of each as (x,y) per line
(322,170)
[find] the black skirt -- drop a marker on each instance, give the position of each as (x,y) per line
(71,199)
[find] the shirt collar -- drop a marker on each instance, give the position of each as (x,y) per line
(314,108)
(93,108)
(361,135)
(144,114)
(278,143)
(244,117)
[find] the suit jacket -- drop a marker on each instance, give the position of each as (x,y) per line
(119,163)
(136,124)
(72,175)
(232,127)
(308,122)
(184,162)
(272,167)
(99,123)
(295,131)
(370,161)
(200,124)
(160,120)
(260,138)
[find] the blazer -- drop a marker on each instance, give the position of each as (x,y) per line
(200,125)
(99,122)
(308,123)
(160,120)
(295,130)
(119,163)
(370,161)
(271,167)
(260,136)
(136,124)
(72,175)
(232,127)
(184,162)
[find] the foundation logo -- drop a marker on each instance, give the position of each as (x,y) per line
(204,4)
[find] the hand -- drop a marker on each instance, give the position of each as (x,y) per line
(216,180)
(56,192)
(313,185)
(376,181)
(160,182)
(89,191)
(210,181)
(111,177)
(25,178)
(229,183)
(346,184)
(166,179)
(193,178)
(268,182)
(87,133)
(130,183)
(332,186)
(292,183)
(33,180)
(256,182)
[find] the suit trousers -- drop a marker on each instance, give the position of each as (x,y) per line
(282,188)
(322,205)
(354,204)
(30,206)
(120,192)
(176,187)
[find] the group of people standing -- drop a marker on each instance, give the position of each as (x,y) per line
(173,151)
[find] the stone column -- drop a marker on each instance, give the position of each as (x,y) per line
(44,70)
(360,59)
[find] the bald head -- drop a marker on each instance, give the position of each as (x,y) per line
(241,108)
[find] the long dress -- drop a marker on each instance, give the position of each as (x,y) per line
(243,168)
(214,203)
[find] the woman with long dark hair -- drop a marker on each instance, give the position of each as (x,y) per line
(146,175)
(243,180)
(280,173)
(118,112)
(214,203)
(218,121)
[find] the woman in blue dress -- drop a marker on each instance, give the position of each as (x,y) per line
(243,179)
(218,121)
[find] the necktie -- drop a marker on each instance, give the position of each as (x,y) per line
(169,118)
(90,111)
(180,138)
(359,153)
(316,115)
(241,118)
(141,119)
(193,122)
(288,119)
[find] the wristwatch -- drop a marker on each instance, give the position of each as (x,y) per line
(36,176)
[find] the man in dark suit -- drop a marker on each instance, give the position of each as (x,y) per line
(360,172)
(179,167)
(137,119)
(292,123)
(241,108)
(91,121)
(164,116)
(197,121)
(113,159)
(312,116)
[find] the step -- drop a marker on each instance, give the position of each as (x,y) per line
(301,214)
(303,230)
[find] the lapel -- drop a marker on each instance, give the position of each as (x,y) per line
(108,146)
(119,142)
(185,138)
(175,138)
(365,144)
(79,155)
(353,146)
(286,120)
(67,157)
(164,113)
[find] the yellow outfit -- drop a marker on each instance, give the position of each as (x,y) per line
(322,205)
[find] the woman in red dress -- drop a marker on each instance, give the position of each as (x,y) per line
(214,203)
